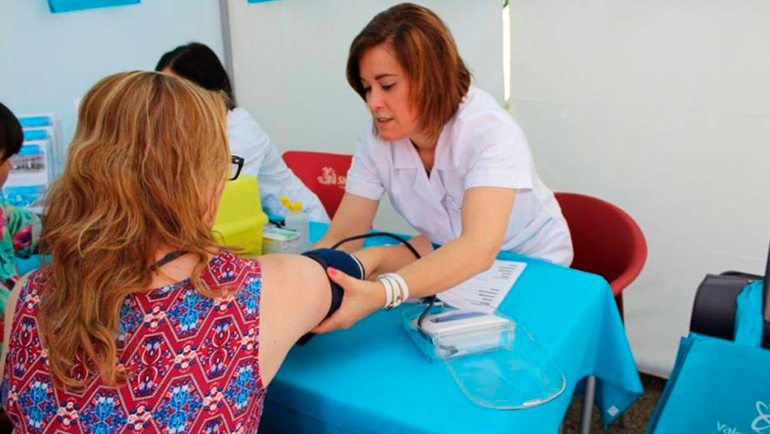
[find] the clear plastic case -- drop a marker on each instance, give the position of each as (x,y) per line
(494,360)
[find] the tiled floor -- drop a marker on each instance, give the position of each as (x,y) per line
(635,419)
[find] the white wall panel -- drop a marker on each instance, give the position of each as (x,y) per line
(289,61)
(663,108)
(48,61)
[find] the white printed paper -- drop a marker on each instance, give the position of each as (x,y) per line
(485,291)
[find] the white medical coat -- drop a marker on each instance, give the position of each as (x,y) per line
(262,159)
(481,146)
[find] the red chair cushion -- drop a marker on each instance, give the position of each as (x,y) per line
(606,240)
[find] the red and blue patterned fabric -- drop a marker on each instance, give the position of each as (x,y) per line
(192,362)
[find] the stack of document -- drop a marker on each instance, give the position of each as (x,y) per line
(485,291)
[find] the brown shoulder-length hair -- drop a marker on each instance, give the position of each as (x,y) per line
(424,47)
(148,154)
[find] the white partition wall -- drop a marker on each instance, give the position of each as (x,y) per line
(48,61)
(663,108)
(289,61)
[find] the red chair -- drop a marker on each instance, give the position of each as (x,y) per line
(323,173)
(607,242)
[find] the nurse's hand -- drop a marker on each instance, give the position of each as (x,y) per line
(361,299)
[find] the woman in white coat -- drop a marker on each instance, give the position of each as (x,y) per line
(453,163)
(199,64)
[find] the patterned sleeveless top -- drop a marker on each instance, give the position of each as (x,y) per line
(192,362)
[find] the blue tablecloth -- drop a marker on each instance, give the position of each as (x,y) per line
(373,379)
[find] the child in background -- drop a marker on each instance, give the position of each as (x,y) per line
(19,228)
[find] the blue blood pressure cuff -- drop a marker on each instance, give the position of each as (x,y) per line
(342,261)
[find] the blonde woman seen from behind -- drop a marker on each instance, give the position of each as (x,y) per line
(140,319)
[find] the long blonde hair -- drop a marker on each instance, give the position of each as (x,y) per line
(148,154)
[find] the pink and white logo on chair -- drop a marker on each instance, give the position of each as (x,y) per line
(329,177)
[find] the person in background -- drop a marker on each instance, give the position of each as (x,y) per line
(140,321)
(199,64)
(19,228)
(453,163)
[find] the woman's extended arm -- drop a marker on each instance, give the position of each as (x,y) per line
(354,216)
(296,296)
(485,215)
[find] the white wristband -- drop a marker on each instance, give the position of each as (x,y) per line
(401,284)
(401,290)
(389,291)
